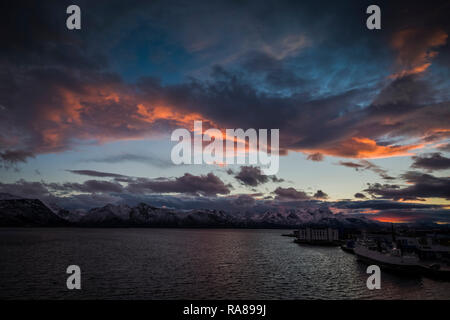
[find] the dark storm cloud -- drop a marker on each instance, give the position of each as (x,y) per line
(253,176)
(273,72)
(94,173)
(55,87)
(208,184)
(359,195)
(421,186)
(58,87)
(409,107)
(291,194)
(433,161)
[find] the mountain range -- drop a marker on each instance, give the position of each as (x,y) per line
(16,211)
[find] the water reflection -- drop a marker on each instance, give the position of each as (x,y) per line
(189,264)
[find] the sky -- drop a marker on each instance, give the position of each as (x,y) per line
(86,115)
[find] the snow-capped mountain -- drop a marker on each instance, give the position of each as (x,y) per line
(307,216)
(32,212)
(146,215)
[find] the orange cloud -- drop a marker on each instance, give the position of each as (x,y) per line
(392,220)
(152,114)
(414,49)
(103,112)
(368,211)
(365,148)
(414,70)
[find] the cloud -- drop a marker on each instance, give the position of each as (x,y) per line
(394,212)
(315,156)
(291,194)
(444,147)
(85,201)
(15,155)
(309,79)
(363,147)
(97,193)
(422,186)
(253,176)
(379,204)
(89,186)
(433,161)
(245,200)
(27,189)
(359,195)
(9,158)
(274,73)
(149,109)
(208,184)
(367,165)
(415,49)
(350,164)
(129,157)
(413,216)
(94,173)
(320,195)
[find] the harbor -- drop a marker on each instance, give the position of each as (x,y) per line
(416,253)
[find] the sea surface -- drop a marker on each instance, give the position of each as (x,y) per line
(189,264)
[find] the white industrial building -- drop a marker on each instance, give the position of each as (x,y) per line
(318,234)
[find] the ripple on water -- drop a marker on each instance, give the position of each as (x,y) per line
(189,264)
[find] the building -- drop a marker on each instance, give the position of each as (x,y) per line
(318,235)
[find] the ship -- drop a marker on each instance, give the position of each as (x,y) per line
(391,259)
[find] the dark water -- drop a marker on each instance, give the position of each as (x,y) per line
(188,264)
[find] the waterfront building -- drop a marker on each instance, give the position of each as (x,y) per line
(317,235)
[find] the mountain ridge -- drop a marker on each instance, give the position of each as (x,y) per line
(16,211)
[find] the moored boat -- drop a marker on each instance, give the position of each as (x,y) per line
(392,259)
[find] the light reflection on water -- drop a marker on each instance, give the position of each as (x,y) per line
(189,264)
